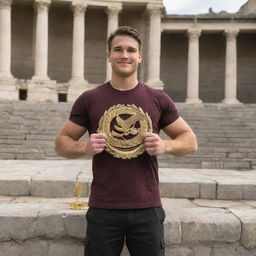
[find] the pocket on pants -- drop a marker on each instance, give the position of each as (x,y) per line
(163,212)
(160,213)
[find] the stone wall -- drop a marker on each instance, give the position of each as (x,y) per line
(174,65)
(60,43)
(246,68)
(22,41)
(212,67)
(95,45)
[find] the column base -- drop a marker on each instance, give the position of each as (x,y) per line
(231,101)
(6,76)
(78,83)
(193,101)
(40,78)
(8,87)
(76,87)
(156,84)
(42,90)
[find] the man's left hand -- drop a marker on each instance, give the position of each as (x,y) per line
(154,145)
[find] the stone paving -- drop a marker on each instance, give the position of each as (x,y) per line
(43,226)
(35,218)
(55,178)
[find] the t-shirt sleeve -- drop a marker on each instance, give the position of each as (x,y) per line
(169,111)
(79,112)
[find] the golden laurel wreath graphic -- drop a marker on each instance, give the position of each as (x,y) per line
(124,126)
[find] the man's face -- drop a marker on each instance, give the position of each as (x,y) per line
(124,56)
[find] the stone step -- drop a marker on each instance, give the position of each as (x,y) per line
(27,134)
(48,227)
(56,178)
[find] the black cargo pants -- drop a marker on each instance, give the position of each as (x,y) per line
(141,230)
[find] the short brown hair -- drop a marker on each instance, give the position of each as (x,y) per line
(125,31)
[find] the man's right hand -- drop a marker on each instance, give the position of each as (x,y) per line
(96,143)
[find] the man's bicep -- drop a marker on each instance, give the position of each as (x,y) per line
(177,128)
(72,130)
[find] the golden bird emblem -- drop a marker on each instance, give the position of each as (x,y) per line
(127,126)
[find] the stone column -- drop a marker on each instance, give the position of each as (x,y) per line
(231,67)
(77,79)
(112,12)
(7,82)
(41,44)
(5,39)
(193,67)
(78,83)
(154,52)
(41,88)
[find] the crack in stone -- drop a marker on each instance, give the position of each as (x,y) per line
(241,223)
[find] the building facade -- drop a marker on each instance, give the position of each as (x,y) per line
(52,50)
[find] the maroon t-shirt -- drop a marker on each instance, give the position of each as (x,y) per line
(124,183)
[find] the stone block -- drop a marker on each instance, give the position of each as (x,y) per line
(11,142)
(9,132)
(172,224)
(248,219)
(208,189)
(5,199)
(34,247)
(30,156)
(232,250)
(75,223)
(229,191)
(249,192)
(50,224)
(50,186)
(209,225)
(179,251)
(7,156)
(66,247)
(179,188)
(14,186)
(202,251)
(208,165)
(18,221)
(172,229)
(40,137)
(237,155)
(240,165)
(189,251)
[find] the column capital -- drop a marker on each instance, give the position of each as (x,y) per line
(5,4)
(79,7)
(154,10)
(42,5)
(113,10)
(194,34)
(231,34)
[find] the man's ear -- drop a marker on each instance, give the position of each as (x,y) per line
(141,57)
(108,56)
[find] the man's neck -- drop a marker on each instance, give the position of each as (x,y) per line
(123,84)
